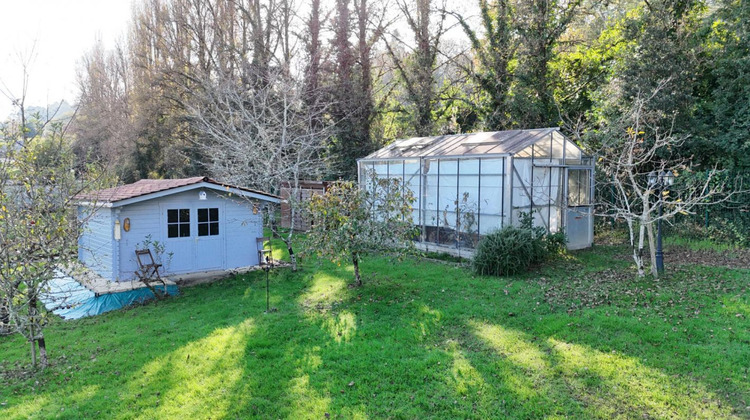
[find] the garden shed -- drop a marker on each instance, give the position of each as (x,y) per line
(204,225)
(468,185)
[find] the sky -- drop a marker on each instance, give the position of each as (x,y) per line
(56,34)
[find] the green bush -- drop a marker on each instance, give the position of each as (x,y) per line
(512,250)
(556,243)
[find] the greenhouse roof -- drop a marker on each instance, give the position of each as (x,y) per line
(495,142)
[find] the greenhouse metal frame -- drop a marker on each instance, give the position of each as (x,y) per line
(468,185)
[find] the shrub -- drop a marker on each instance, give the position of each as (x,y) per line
(556,243)
(512,250)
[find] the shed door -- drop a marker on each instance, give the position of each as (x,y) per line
(209,236)
(179,237)
(579,221)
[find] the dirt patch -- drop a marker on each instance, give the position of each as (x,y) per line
(736,258)
(679,256)
(688,289)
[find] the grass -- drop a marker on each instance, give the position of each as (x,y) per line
(580,338)
(698,244)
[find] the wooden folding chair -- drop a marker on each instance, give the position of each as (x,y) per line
(147,267)
(148,271)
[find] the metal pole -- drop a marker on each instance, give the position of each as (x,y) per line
(706,221)
(479,197)
(422,188)
(659,253)
(268,269)
(458,200)
(437,206)
(267,292)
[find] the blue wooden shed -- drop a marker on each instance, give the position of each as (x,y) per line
(204,225)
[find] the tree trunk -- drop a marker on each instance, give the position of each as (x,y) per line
(42,351)
(4,318)
(292,255)
(355,261)
(33,352)
(638,251)
(652,250)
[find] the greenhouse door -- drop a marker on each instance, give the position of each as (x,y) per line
(579,226)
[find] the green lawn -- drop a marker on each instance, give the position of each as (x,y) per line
(580,338)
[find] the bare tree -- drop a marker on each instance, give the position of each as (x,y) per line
(261,136)
(633,148)
(103,128)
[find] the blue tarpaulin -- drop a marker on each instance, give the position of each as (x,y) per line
(69,299)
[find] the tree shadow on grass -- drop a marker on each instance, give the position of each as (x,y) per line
(166,374)
(653,381)
(415,341)
(575,380)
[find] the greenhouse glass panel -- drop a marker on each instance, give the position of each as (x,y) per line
(540,176)
(493,166)
(366,169)
(412,183)
(525,153)
(481,149)
(558,144)
(579,187)
(540,216)
(411,172)
(415,216)
(430,188)
(411,177)
(396,169)
(521,183)
(468,187)
(555,221)
(541,184)
(491,194)
(522,170)
(429,201)
(380,168)
(468,207)
(468,166)
(572,153)
(448,167)
(542,149)
(489,223)
(448,190)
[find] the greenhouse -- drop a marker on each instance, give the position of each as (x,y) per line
(468,185)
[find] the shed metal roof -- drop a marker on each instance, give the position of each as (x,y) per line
(150,188)
(494,142)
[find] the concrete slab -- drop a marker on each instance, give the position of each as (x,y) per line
(192,279)
(450,250)
(100,285)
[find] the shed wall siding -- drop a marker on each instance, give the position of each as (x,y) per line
(95,246)
(144,221)
(241,248)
